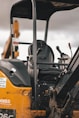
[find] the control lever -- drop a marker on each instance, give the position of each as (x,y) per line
(70,49)
(61,53)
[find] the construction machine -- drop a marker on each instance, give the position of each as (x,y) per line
(38,87)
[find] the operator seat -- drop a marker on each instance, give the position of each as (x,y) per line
(44,55)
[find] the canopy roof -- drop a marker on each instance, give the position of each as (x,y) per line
(44,8)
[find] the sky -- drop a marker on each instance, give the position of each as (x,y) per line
(63,28)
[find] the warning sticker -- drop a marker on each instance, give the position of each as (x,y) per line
(2,82)
(5,101)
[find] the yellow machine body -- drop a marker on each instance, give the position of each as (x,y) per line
(16,101)
(14,98)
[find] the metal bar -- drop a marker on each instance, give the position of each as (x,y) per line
(34,45)
(47,63)
(22,43)
(25,43)
(46,30)
(74,61)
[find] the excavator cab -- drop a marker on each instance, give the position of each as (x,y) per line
(38,87)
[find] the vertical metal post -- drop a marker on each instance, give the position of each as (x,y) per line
(34,45)
(46,30)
